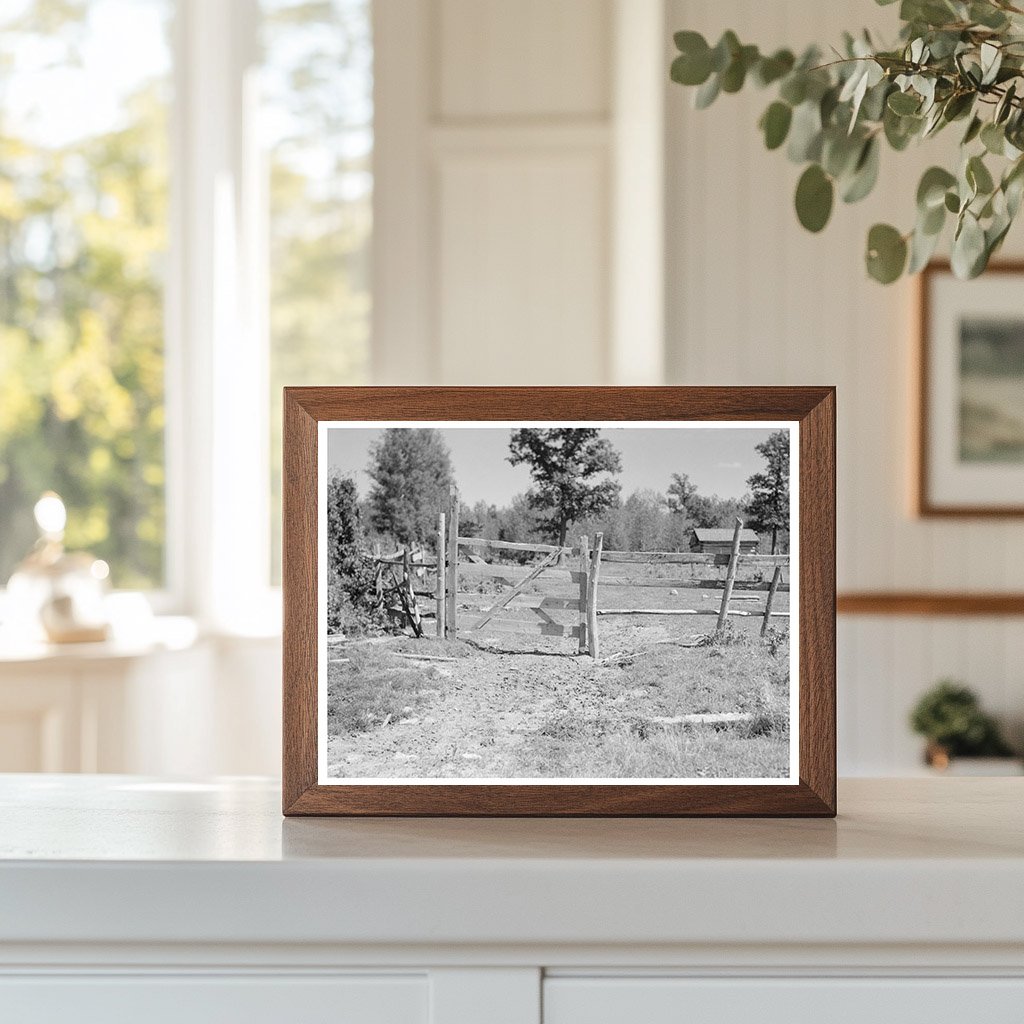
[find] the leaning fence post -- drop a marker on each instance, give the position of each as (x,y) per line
(452,585)
(730,576)
(776,580)
(584,579)
(441,574)
(593,640)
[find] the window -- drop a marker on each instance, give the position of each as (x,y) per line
(317,116)
(83,236)
(167,264)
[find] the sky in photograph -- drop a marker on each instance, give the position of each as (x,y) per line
(717,459)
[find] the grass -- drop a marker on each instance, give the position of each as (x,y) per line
(374,687)
(742,676)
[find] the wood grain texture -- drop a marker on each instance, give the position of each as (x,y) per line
(813,407)
(299,597)
(926,507)
(924,603)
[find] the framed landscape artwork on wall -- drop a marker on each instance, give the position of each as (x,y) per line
(971,393)
(559,601)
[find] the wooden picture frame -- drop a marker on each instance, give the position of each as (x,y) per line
(931,376)
(809,790)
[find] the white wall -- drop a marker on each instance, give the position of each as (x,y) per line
(505,131)
(520,214)
(754,299)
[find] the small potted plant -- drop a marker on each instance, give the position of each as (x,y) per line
(950,717)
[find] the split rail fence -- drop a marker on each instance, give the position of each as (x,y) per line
(459,560)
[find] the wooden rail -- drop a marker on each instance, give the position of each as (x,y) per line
(668,557)
(507,545)
(528,613)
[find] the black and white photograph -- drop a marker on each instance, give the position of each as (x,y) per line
(555,602)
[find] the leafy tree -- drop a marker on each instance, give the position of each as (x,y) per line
(518,521)
(683,499)
(350,570)
(411,472)
(567,465)
(769,503)
(956,61)
(343,523)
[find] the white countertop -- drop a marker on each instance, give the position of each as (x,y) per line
(121,859)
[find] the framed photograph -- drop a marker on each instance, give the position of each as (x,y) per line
(559,601)
(971,393)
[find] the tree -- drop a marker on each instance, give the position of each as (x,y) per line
(411,472)
(681,496)
(566,464)
(701,510)
(769,503)
(343,523)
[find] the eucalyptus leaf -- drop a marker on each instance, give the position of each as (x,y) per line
(735,74)
(978,176)
(886,253)
(991,61)
(922,247)
(814,196)
(840,152)
(794,88)
(904,103)
(993,138)
(1005,105)
(973,130)
(987,15)
(775,124)
(969,251)
(707,93)
(771,69)
(931,191)
(865,173)
(805,133)
(724,51)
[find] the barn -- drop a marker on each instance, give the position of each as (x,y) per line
(716,541)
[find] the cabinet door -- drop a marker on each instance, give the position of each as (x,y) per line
(202,999)
(782,1001)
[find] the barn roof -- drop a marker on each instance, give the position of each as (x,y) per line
(713,536)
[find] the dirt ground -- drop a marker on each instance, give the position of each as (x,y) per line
(505,705)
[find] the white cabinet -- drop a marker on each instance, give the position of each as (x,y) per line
(133,899)
(625,1000)
(199,999)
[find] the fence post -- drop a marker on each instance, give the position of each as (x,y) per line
(776,580)
(593,639)
(452,576)
(441,576)
(730,576)
(584,580)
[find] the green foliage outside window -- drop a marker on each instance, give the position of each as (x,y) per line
(83,217)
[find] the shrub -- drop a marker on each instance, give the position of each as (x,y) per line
(950,716)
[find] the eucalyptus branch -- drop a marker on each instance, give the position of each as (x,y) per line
(954,60)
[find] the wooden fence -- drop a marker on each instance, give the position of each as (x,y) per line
(729,585)
(497,612)
(457,560)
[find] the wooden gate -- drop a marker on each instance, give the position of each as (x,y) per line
(579,566)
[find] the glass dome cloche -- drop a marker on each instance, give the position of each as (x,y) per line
(57,595)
